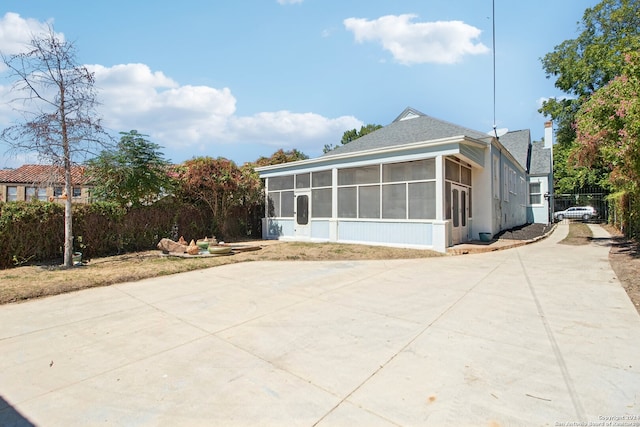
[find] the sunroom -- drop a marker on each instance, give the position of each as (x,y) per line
(414,197)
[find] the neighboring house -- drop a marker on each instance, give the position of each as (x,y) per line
(42,182)
(541,179)
(419,182)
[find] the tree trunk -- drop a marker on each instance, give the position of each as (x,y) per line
(68,227)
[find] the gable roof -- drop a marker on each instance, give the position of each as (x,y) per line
(540,159)
(42,174)
(410,126)
(518,143)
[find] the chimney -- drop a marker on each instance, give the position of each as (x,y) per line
(548,134)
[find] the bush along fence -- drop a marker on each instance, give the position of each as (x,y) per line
(33,232)
(625,213)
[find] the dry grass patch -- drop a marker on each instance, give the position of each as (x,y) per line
(29,282)
(579,234)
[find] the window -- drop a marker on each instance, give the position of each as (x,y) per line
(348,202)
(496,177)
(12,194)
(35,193)
(77,191)
(535,193)
(361,175)
(274,204)
(321,203)
(452,171)
(321,194)
(369,201)
(394,201)
(403,190)
(57,191)
(280,196)
(463,208)
(30,194)
(302,215)
(456,208)
(280,204)
(322,179)
(286,204)
(302,180)
(409,171)
(281,183)
(447,200)
(505,183)
(422,200)
(465,175)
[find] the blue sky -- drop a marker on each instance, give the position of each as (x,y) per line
(241,79)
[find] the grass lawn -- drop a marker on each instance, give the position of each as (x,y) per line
(27,282)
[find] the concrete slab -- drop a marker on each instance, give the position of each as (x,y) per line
(541,334)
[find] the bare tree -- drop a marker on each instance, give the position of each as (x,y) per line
(57,100)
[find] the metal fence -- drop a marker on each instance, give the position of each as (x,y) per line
(597,200)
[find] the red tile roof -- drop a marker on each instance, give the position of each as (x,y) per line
(42,174)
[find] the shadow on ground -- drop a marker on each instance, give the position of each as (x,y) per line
(9,417)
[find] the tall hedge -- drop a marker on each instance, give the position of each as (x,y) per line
(34,231)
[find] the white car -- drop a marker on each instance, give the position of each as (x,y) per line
(576,212)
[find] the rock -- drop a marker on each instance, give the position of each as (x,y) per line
(193,249)
(168,245)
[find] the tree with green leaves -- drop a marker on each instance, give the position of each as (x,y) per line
(57,99)
(223,187)
(134,174)
(608,138)
(281,156)
(581,66)
(351,135)
(608,130)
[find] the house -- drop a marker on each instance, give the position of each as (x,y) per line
(419,182)
(541,197)
(44,183)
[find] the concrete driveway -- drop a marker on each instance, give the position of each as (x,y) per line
(540,335)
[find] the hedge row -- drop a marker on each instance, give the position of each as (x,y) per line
(625,214)
(34,231)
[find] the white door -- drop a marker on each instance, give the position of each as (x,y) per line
(303,214)
(459,214)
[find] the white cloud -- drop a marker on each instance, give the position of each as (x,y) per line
(134,97)
(292,130)
(16,32)
(442,42)
(186,120)
(195,119)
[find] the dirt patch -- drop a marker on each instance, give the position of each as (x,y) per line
(624,258)
(525,232)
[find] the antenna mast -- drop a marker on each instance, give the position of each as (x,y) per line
(493,21)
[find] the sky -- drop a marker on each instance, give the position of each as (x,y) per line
(242,79)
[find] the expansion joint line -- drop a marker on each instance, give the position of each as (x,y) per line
(554,345)
(411,341)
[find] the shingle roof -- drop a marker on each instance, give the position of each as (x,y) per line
(540,159)
(42,174)
(519,145)
(409,127)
